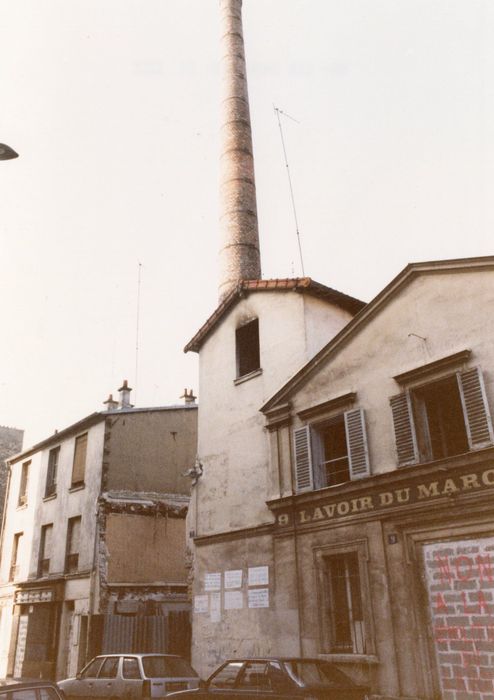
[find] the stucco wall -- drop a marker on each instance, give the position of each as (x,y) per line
(157,544)
(232,443)
(150,450)
(434,316)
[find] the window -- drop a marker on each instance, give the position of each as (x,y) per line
(51,475)
(45,550)
(109,668)
(23,485)
(91,670)
(261,677)
(226,676)
(247,346)
(130,668)
(331,452)
(344,609)
(442,418)
(73,542)
(79,466)
(16,551)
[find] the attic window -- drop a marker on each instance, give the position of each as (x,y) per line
(247,347)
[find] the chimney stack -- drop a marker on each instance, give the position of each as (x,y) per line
(125,395)
(188,397)
(110,403)
(239,256)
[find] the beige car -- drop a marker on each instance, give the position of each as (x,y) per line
(132,676)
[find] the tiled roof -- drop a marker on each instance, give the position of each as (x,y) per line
(304,285)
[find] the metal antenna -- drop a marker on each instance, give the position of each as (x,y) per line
(278,112)
(137,327)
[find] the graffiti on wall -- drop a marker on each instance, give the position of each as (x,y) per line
(460,583)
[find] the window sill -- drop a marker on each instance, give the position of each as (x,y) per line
(369,659)
(246,377)
(51,497)
(77,487)
(21,506)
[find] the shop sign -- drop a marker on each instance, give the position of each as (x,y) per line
(39,595)
(417,491)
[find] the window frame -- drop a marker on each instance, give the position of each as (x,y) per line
(52,472)
(14,557)
(410,434)
(79,461)
(243,353)
(307,444)
(70,556)
(42,550)
(320,556)
(24,484)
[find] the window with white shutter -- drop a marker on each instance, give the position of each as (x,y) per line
(331,452)
(443,418)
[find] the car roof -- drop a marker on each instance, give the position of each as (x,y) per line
(24,682)
(276,658)
(140,655)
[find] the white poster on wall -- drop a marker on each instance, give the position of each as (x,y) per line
(233,578)
(258,598)
(258,575)
(215,607)
(234,600)
(201,604)
(212,582)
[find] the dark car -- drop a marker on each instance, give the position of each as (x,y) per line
(311,679)
(29,690)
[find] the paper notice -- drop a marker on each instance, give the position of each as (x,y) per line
(234,600)
(201,604)
(258,575)
(212,582)
(233,579)
(258,598)
(215,607)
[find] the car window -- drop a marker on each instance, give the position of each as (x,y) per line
(226,676)
(319,673)
(48,694)
(24,694)
(109,668)
(167,667)
(255,676)
(91,670)
(130,668)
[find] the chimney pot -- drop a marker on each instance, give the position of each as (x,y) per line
(110,403)
(124,392)
(188,396)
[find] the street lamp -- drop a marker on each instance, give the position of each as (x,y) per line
(7,153)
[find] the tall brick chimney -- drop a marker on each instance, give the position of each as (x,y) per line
(239,252)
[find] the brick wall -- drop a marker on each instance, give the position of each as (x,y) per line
(460,582)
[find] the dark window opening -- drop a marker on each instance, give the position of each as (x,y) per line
(331,451)
(439,420)
(45,547)
(247,343)
(73,541)
(22,501)
(51,475)
(347,628)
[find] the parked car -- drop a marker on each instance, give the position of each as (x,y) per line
(29,690)
(277,678)
(131,676)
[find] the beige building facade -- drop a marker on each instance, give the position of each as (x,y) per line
(93,545)
(366,535)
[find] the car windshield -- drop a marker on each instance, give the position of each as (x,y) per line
(316,673)
(167,667)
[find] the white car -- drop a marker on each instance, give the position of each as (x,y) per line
(132,676)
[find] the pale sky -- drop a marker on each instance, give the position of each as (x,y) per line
(113,107)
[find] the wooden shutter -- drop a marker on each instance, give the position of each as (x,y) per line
(356,440)
(304,479)
(478,421)
(406,441)
(79,466)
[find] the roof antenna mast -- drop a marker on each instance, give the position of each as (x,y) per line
(138,313)
(278,112)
